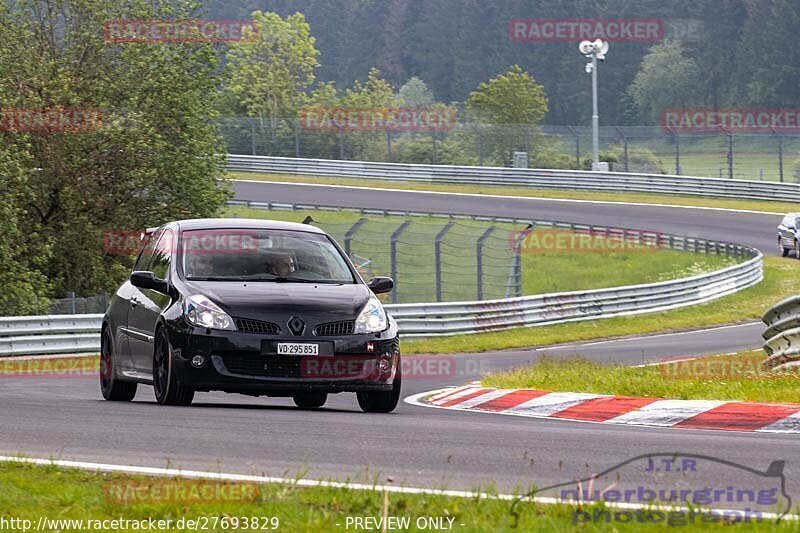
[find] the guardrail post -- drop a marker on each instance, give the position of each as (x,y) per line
(437,253)
(348,236)
(479,255)
(393,257)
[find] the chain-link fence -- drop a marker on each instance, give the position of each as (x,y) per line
(72,305)
(771,156)
(434,260)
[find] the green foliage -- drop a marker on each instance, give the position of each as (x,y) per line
(510,98)
(419,149)
(268,76)
(151,161)
(24,289)
(640,159)
(666,79)
(415,93)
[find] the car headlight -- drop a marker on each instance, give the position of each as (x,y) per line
(372,317)
(201,311)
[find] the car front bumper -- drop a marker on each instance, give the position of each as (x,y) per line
(247,363)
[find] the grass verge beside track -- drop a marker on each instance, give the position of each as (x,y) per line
(30,492)
(620,197)
(724,377)
(543,270)
(781,279)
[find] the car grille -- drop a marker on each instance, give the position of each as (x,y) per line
(248,325)
(264,367)
(335,329)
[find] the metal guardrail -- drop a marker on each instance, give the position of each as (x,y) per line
(518,177)
(782,336)
(52,334)
(80,333)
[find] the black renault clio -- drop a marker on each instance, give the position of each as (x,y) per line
(256,307)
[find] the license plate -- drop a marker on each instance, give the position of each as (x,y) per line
(297,348)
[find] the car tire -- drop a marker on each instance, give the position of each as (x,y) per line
(784,251)
(797,249)
(310,400)
(381,401)
(113,389)
(165,386)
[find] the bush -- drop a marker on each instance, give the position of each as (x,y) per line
(420,150)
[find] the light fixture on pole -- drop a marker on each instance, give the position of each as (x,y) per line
(596,50)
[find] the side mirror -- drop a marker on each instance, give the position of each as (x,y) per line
(381,285)
(148,280)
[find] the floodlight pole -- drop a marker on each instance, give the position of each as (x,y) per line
(595,50)
(595,115)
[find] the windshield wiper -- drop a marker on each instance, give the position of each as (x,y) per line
(216,278)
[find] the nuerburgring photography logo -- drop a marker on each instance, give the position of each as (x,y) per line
(672,489)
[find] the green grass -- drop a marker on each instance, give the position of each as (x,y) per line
(30,492)
(544,269)
(727,377)
(697,201)
(781,279)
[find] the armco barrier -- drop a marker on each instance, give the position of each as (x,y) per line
(80,333)
(521,177)
(782,336)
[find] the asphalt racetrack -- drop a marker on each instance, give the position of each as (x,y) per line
(66,418)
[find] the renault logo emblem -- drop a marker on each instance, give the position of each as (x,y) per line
(296,326)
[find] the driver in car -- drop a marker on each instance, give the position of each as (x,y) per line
(282,265)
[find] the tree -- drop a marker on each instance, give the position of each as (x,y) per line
(150,158)
(270,75)
(666,79)
(414,93)
(513,105)
(510,98)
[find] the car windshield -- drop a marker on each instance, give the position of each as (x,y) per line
(262,255)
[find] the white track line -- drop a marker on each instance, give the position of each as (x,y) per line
(308,483)
(507,197)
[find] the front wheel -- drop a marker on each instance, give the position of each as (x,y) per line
(381,401)
(166,387)
(112,388)
(784,251)
(310,400)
